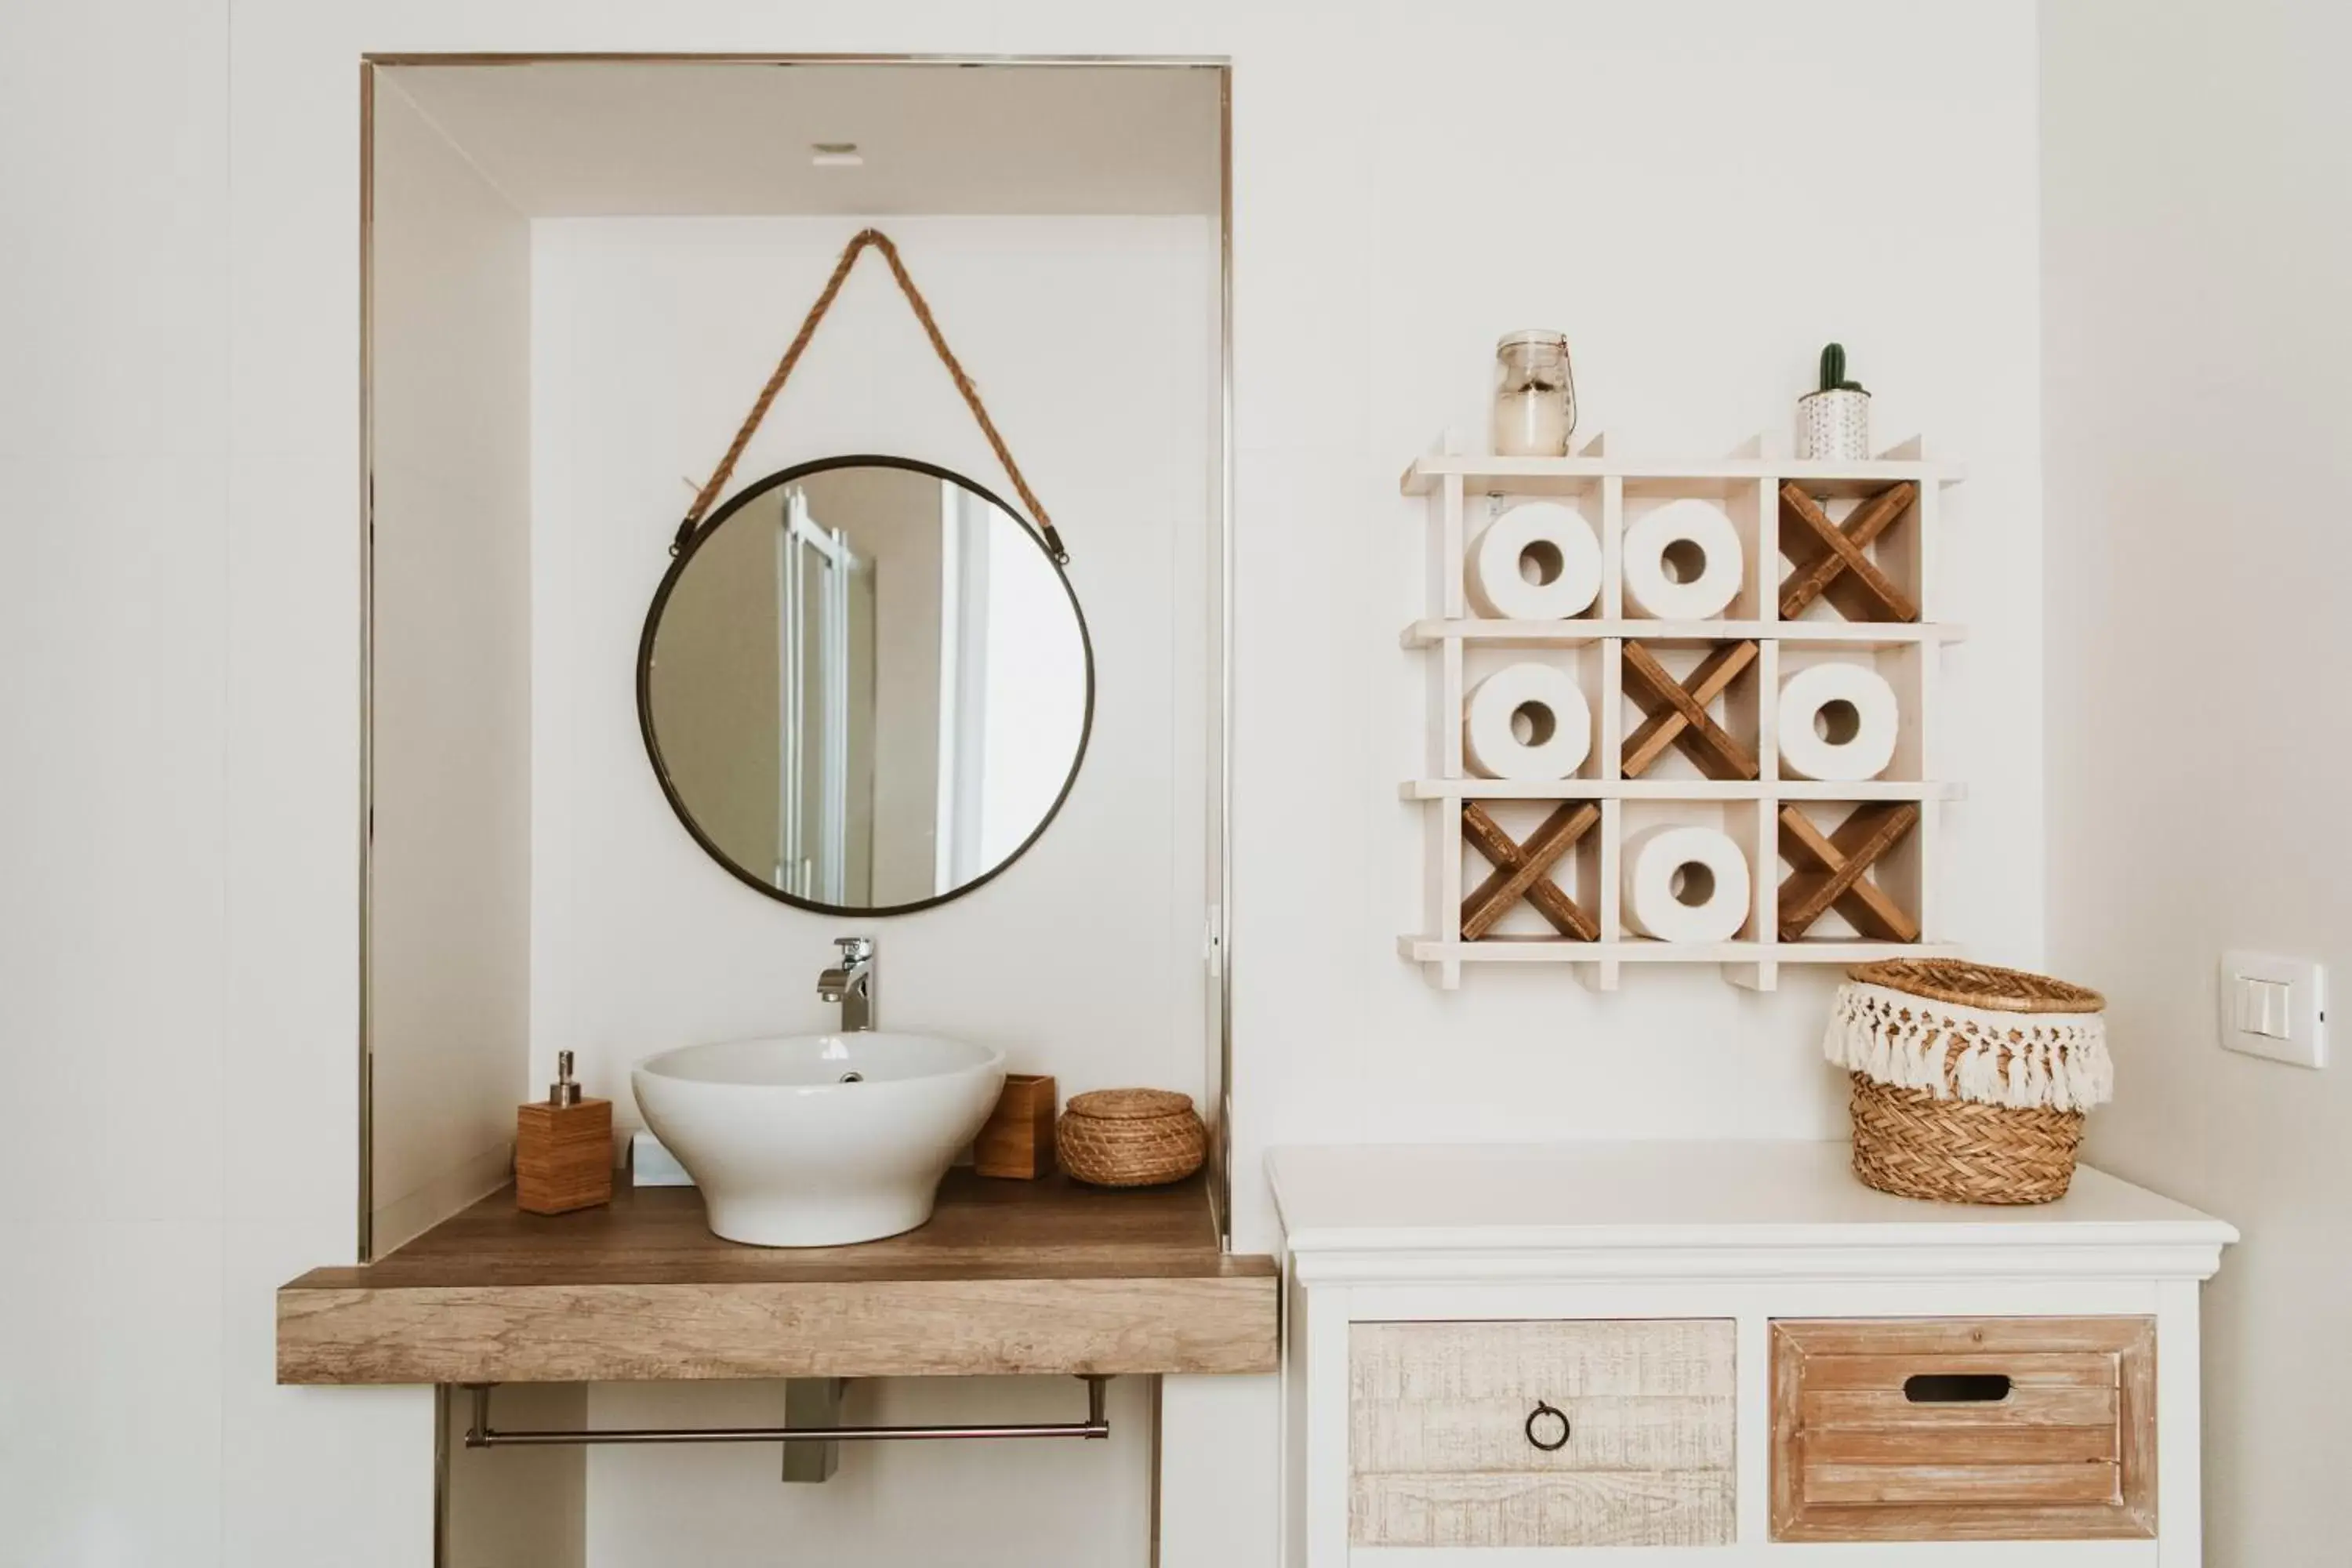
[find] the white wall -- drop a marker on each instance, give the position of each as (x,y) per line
(448,969)
(1095,341)
(891,1505)
(518,1507)
(1657,188)
(1083,960)
(1663,196)
(450,939)
(2196,240)
(178,940)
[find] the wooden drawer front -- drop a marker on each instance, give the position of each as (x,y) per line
(1901,1429)
(1439,1453)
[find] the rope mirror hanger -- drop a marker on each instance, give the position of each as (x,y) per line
(879,241)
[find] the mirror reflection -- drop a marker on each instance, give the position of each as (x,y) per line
(866,685)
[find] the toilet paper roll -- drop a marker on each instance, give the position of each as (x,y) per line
(1686,884)
(1540,561)
(1526,722)
(1836,721)
(1683,560)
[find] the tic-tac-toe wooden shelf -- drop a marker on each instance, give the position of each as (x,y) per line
(1806,596)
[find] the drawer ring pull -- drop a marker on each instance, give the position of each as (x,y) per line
(1549,1417)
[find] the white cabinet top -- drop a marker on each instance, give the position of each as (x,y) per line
(1684,1207)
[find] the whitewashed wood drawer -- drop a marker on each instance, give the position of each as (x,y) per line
(1442,1452)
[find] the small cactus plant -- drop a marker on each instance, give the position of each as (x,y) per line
(1833,371)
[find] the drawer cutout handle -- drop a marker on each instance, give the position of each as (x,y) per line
(1956,1388)
(1547,1421)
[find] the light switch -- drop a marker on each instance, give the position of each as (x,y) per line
(2274,1007)
(2261,1006)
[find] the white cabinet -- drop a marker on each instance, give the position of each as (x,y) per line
(1723,1352)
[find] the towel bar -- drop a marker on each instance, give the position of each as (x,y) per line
(479,1433)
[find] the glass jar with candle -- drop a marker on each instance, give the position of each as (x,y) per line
(1535,395)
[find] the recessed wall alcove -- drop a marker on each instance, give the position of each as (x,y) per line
(578,274)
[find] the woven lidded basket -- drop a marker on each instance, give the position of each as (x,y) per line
(1130,1137)
(1969,1082)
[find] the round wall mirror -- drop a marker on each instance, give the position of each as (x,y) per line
(865,686)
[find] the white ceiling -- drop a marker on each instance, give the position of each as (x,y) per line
(595,138)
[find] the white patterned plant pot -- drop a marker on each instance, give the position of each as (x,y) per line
(1833,426)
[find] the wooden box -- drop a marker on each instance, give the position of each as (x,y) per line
(1018,1139)
(1603,1432)
(1964,1429)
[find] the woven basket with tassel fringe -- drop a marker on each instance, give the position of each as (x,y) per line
(1969,1082)
(1130,1137)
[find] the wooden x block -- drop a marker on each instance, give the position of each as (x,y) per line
(1830,558)
(1678,715)
(1830,871)
(1523,871)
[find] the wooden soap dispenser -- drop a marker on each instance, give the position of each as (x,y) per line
(563,1148)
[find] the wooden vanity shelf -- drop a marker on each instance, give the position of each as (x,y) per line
(1042,1277)
(1838,565)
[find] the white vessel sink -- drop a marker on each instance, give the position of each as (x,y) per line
(819,1140)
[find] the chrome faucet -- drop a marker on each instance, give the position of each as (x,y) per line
(851,983)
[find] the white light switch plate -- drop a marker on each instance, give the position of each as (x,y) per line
(2274,1007)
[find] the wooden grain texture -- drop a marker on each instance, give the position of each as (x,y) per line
(2068,1454)
(1974,1486)
(1678,713)
(609,1334)
(1604,1508)
(1831,866)
(1439,1452)
(2056,1443)
(1539,1358)
(2136,1421)
(1523,871)
(563,1156)
(1016,1141)
(1885,1410)
(2082,1368)
(1831,561)
(1008,1277)
(1606,1432)
(1956,1336)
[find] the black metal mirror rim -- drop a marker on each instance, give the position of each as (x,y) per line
(682,556)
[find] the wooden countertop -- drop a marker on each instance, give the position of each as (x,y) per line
(1008,1276)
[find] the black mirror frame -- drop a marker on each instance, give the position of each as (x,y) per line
(684,555)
